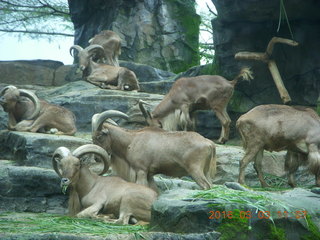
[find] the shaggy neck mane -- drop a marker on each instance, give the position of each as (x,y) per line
(164,108)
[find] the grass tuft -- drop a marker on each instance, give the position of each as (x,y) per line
(50,223)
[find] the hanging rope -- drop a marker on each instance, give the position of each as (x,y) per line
(284,12)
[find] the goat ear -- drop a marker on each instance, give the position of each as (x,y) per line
(105,131)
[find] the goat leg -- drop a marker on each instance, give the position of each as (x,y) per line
(225,125)
(258,167)
(91,211)
(11,121)
(249,156)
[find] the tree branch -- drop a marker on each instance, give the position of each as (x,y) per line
(210,10)
(36,32)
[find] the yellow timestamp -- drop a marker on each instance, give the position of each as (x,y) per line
(259,214)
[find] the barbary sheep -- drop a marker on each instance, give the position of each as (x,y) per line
(279,127)
(91,194)
(27,113)
(110,77)
(196,93)
(104,75)
(104,47)
(137,155)
(111,43)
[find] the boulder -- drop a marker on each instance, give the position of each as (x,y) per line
(30,189)
(235,213)
(33,72)
(35,149)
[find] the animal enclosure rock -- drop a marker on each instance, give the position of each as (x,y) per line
(179,211)
(30,189)
(37,72)
(34,149)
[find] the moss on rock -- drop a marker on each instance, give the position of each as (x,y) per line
(184,12)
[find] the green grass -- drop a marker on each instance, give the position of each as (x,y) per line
(247,199)
(49,223)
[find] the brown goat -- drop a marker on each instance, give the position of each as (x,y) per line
(27,113)
(111,43)
(278,127)
(196,93)
(91,194)
(137,155)
(111,77)
(104,47)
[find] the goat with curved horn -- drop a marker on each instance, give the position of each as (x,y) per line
(99,118)
(99,63)
(91,194)
(137,155)
(27,113)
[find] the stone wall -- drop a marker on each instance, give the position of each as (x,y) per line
(160,33)
(244,25)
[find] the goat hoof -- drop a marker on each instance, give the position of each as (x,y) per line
(221,141)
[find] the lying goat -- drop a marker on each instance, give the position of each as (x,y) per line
(137,155)
(27,113)
(196,93)
(110,77)
(91,194)
(104,75)
(278,127)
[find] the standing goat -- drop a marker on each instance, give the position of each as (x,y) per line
(104,47)
(111,43)
(92,194)
(278,127)
(27,113)
(197,93)
(137,155)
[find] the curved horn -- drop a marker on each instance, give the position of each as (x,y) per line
(145,113)
(6,88)
(98,119)
(34,99)
(75,47)
(58,154)
(95,49)
(92,148)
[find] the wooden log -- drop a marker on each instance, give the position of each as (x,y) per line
(265,57)
(278,81)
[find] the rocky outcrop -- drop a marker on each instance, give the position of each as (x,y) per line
(35,149)
(30,189)
(160,33)
(236,213)
(249,26)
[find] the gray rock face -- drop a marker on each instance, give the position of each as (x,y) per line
(160,33)
(35,149)
(36,72)
(30,189)
(249,26)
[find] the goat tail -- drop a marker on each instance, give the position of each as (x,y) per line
(314,160)
(245,73)
(212,168)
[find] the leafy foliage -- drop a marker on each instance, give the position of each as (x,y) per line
(36,18)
